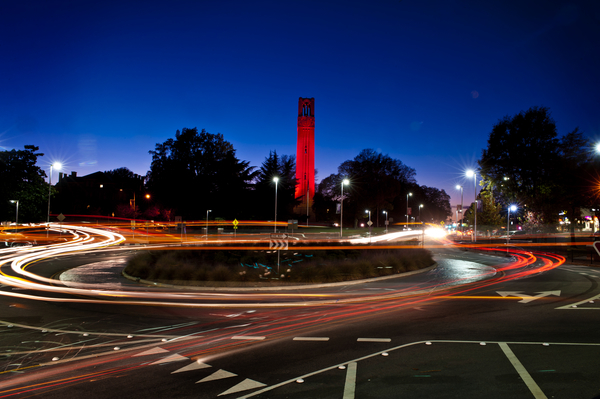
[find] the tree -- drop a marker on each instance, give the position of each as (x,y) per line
(376,181)
(22,180)
(198,171)
(283,168)
(436,205)
(525,161)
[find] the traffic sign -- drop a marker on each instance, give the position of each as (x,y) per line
(370,223)
(61,217)
(278,241)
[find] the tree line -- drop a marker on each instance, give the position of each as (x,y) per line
(526,163)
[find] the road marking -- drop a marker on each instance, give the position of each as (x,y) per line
(574,305)
(243,386)
(374,340)
(311,339)
(197,365)
(525,376)
(527,298)
(248,337)
(217,375)
(350,385)
(172,358)
(152,351)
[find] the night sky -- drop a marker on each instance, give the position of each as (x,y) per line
(96,84)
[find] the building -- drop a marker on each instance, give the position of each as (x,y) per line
(305,156)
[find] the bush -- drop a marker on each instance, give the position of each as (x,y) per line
(298,265)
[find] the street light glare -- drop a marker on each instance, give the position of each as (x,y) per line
(57,165)
(513,208)
(276,179)
(598,147)
(346,181)
(470,173)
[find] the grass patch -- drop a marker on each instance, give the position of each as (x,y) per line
(298,265)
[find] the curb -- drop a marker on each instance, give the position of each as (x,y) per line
(278,288)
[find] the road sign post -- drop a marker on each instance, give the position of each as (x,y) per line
(278,242)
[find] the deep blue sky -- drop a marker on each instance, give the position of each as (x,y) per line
(96,84)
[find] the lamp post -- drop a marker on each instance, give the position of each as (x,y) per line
(407,195)
(461,206)
(345,181)
(207,212)
(386,221)
(370,223)
(56,165)
(474,174)
(420,206)
(276,180)
(17,214)
(510,208)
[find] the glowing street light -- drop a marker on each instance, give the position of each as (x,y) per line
(386,221)
(407,195)
(510,208)
(598,148)
(370,223)
(346,182)
(56,165)
(420,206)
(276,180)
(474,174)
(17,215)
(207,212)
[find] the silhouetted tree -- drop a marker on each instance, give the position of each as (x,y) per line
(22,180)
(526,162)
(376,181)
(198,171)
(284,168)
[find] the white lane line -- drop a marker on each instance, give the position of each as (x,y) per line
(527,379)
(311,339)
(248,337)
(574,305)
(374,340)
(350,385)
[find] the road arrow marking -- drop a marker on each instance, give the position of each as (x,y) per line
(527,298)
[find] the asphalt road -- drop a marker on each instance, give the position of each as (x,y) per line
(533,337)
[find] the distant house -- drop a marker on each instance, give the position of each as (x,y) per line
(99,193)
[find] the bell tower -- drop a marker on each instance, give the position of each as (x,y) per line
(305,155)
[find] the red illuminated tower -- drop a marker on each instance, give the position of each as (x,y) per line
(305,155)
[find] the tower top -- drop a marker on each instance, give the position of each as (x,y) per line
(306,107)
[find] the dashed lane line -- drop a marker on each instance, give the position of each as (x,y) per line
(311,339)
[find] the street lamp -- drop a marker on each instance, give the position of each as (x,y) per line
(420,206)
(386,221)
(370,223)
(461,206)
(510,208)
(346,182)
(276,180)
(407,195)
(17,215)
(474,174)
(56,165)
(207,212)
